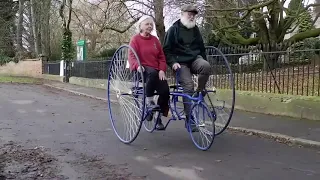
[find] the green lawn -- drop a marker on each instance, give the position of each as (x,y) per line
(14,79)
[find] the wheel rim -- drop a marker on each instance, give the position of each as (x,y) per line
(204,122)
(150,126)
(125,97)
(221,90)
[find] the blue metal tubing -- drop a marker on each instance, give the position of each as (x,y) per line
(187,96)
(174,96)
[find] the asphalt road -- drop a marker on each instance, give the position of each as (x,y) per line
(51,134)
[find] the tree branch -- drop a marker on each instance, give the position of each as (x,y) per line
(61,13)
(247,8)
(69,14)
(303,35)
(118,30)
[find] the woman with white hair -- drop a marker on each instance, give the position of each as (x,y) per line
(153,65)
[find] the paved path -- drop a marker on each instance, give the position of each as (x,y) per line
(305,129)
(74,139)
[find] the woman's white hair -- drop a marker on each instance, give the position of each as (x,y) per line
(144,17)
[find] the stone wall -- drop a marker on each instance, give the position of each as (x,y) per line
(303,107)
(28,67)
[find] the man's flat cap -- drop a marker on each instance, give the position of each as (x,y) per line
(189,8)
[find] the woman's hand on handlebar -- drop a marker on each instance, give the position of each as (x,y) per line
(140,69)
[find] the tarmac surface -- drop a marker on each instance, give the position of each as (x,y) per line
(50,134)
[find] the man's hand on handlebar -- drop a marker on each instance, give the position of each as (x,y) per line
(176,66)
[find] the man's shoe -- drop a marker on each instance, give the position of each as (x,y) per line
(193,126)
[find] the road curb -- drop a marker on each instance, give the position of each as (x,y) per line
(278,137)
(76,92)
(281,138)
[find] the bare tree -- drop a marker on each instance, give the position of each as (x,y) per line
(65,14)
(155,8)
(20,26)
(105,24)
(35,25)
(45,28)
(28,28)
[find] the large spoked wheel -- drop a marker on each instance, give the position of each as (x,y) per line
(221,90)
(126,97)
(203,122)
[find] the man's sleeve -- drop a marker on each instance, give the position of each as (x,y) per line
(168,46)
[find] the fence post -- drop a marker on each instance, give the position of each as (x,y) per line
(43,61)
(66,71)
(62,68)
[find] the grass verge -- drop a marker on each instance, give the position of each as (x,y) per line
(22,80)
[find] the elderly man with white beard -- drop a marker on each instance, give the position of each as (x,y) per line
(184,50)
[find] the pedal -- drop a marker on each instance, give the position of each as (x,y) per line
(214,89)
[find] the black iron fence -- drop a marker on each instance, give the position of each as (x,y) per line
(52,68)
(294,71)
(91,69)
(95,69)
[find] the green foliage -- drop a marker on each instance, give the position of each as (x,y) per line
(233,25)
(305,21)
(307,48)
(68,49)
(7,17)
(317,47)
(294,7)
(23,80)
(4,59)
(246,29)
(55,55)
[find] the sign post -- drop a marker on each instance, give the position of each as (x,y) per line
(81,50)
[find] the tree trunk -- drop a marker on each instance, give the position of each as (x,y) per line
(158,11)
(67,53)
(270,62)
(45,31)
(93,44)
(270,56)
(30,27)
(20,27)
(35,27)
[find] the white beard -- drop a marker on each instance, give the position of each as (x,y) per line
(187,23)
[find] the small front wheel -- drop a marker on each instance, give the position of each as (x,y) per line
(201,126)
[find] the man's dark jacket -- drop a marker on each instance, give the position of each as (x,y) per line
(174,48)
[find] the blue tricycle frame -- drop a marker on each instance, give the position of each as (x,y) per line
(135,92)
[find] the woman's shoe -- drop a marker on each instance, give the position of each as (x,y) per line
(159,125)
(151,108)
